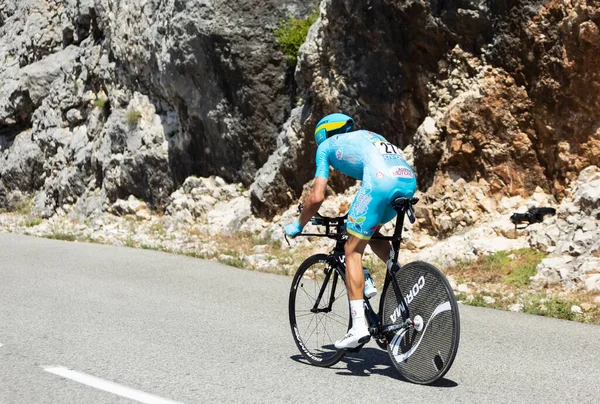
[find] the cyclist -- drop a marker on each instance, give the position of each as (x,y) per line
(385,175)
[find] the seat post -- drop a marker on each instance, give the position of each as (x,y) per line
(397,237)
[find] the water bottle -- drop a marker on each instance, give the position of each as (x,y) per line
(370,289)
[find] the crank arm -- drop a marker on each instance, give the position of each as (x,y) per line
(395,327)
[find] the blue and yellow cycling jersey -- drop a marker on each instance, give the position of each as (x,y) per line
(380,165)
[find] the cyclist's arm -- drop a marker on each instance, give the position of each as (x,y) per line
(314,201)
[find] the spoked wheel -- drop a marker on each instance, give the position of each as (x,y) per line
(316,325)
(425,352)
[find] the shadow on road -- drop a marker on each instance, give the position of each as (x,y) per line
(371,361)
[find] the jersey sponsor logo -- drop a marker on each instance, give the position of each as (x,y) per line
(361,205)
(356,227)
(401,172)
(360,219)
(339,154)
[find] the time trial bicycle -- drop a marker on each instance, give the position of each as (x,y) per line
(418,322)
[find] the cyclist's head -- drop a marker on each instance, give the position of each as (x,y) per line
(331,125)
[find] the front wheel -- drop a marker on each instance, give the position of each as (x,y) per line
(319,310)
(423,353)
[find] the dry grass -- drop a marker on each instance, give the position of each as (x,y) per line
(504,276)
(507,267)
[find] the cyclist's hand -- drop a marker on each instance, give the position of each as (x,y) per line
(293,229)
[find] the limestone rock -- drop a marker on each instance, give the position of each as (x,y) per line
(592,283)
(573,235)
(586,307)
(218,206)
(269,191)
(22,165)
(127,207)
(463,288)
(517,307)
(37,78)
(553,270)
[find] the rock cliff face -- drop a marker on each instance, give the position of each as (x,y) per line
(103,99)
(500,95)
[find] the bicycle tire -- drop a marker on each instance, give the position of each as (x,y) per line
(423,356)
(315,333)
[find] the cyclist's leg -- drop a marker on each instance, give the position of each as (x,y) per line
(355,284)
(381,248)
(363,220)
(355,279)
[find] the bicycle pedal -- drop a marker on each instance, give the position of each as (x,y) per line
(364,340)
(355,350)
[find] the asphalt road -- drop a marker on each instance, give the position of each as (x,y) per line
(192,331)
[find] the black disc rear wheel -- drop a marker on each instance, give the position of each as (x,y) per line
(316,326)
(424,353)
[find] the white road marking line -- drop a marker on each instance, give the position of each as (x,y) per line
(110,387)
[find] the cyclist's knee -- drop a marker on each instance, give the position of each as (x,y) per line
(355,244)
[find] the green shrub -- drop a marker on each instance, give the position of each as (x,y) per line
(496,262)
(24,206)
(232,262)
(508,267)
(134,116)
(129,242)
(100,103)
(552,307)
(31,222)
(291,34)
(61,236)
(525,264)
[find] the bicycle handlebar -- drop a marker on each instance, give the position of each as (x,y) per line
(321,220)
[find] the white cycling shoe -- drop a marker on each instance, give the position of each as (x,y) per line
(353,339)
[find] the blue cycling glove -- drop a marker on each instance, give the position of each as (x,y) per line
(293,229)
